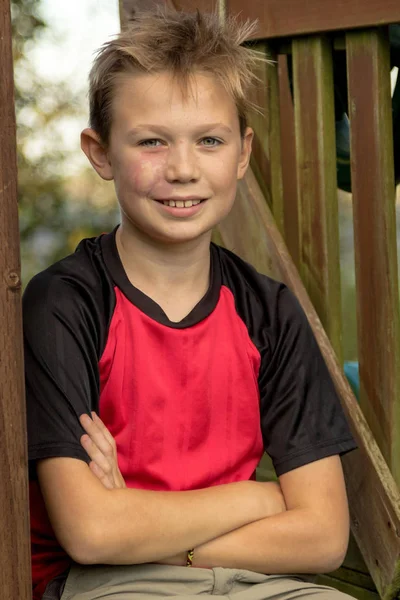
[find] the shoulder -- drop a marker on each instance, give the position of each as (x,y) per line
(72,291)
(70,278)
(258,295)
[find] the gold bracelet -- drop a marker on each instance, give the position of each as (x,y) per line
(189,558)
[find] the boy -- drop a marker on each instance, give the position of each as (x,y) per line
(195,363)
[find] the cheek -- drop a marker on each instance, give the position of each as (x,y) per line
(144,173)
(147,176)
(224,172)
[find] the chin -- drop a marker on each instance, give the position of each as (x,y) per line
(181,237)
(176,233)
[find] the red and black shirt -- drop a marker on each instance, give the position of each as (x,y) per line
(191,404)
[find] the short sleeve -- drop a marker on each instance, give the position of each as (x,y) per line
(62,324)
(301,416)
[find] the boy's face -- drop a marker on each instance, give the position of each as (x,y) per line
(175,158)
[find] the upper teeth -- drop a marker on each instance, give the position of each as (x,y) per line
(181,203)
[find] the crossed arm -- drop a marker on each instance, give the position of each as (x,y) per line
(299,526)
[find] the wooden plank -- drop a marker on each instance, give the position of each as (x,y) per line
(243,233)
(316,180)
(374,496)
(15,565)
(347,587)
(288,161)
(268,133)
(128,8)
(357,578)
(260,156)
(202,5)
(283,18)
(378,315)
(266,151)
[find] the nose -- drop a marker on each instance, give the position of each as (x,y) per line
(182,164)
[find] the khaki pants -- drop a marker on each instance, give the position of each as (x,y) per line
(153,581)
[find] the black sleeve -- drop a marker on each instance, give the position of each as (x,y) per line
(301,415)
(62,331)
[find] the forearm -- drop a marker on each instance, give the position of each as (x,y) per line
(127,526)
(296,541)
(143,526)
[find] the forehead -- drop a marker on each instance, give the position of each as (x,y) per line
(163,99)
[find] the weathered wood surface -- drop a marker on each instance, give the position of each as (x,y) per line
(15,567)
(203,5)
(374,497)
(347,586)
(283,18)
(266,152)
(375,238)
(128,8)
(316,180)
(288,164)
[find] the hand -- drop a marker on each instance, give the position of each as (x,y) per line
(101,448)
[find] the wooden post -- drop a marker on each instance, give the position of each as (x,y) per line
(266,155)
(15,567)
(378,318)
(288,162)
(316,180)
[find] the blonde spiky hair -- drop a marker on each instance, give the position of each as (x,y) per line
(179,43)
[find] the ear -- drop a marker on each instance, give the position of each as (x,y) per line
(245,152)
(96,153)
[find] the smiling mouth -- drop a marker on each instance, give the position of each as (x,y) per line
(181,203)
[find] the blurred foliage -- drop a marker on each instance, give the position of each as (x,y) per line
(54,213)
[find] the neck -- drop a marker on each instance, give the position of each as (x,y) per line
(153,266)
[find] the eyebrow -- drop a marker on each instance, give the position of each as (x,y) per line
(166,131)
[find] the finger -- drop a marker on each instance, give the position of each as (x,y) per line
(99,473)
(103,428)
(96,435)
(96,454)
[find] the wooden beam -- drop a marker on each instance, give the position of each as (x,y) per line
(272,120)
(288,162)
(15,564)
(373,494)
(375,238)
(128,8)
(266,153)
(316,180)
(306,16)
(192,5)
(283,18)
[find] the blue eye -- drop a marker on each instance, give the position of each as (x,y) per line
(150,143)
